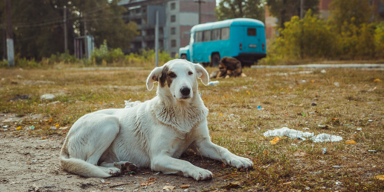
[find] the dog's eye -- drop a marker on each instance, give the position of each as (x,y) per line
(172,75)
(190,73)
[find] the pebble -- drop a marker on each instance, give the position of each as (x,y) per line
(313,104)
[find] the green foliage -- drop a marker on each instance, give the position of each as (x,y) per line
(147,56)
(39,30)
(228,9)
(356,12)
(284,10)
(314,39)
(103,54)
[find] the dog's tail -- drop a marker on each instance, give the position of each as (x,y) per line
(80,167)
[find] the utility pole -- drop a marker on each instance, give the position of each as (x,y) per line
(157,39)
(65,30)
(199,2)
(85,24)
(10,49)
(301,9)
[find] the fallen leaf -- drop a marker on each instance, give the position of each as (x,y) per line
(184,186)
(221,114)
(312,81)
(276,140)
(287,183)
(57,125)
(380,177)
(107,182)
(266,153)
(350,142)
(44,138)
(376,80)
(50,120)
(223,165)
(233,185)
(18,128)
(168,187)
(150,181)
(248,92)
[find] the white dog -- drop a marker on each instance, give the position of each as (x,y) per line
(151,134)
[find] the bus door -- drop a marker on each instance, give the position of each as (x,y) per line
(251,42)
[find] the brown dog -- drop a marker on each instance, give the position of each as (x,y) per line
(228,67)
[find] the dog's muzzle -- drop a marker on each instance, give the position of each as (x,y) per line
(185,91)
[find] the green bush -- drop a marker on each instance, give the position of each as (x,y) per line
(311,38)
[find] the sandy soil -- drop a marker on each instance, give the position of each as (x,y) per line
(31,164)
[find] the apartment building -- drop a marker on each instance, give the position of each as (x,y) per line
(176,18)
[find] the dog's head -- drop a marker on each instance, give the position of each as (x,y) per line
(178,78)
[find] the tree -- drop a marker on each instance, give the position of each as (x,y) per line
(354,12)
(39,27)
(228,9)
(285,9)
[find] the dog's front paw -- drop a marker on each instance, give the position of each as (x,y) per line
(240,162)
(200,174)
(114,171)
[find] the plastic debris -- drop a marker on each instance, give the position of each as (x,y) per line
(313,104)
(324,150)
(129,104)
(32,127)
(62,128)
(338,183)
(258,107)
(376,80)
(336,84)
(324,137)
(336,166)
(380,177)
(323,71)
(350,142)
(53,128)
(5,126)
(372,151)
(307,188)
(212,83)
(285,131)
(47,96)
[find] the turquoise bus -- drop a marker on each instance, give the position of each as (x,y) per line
(241,38)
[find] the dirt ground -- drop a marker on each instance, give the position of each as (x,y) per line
(32,164)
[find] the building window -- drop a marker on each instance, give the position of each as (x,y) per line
(173,43)
(173,18)
(173,30)
(173,6)
(224,33)
(207,35)
(251,31)
(215,34)
(198,36)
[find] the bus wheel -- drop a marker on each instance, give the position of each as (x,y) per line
(184,56)
(215,60)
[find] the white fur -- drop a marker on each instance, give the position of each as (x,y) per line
(150,134)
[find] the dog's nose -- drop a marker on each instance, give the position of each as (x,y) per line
(185,91)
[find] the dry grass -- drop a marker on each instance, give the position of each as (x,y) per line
(358,102)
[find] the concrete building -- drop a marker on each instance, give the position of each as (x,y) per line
(176,18)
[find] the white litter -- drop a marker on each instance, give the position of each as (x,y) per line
(212,83)
(323,71)
(285,131)
(291,133)
(336,84)
(326,138)
(129,104)
(47,96)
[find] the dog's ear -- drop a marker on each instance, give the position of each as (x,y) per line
(202,74)
(154,76)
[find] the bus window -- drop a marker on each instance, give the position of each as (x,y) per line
(215,34)
(251,31)
(224,33)
(199,36)
(207,35)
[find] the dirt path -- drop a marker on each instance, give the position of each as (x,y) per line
(31,164)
